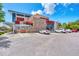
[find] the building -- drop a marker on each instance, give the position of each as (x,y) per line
(30,23)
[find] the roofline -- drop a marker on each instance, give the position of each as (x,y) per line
(12,11)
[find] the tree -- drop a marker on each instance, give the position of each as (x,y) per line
(59,25)
(1,13)
(71,25)
(64,25)
(74,26)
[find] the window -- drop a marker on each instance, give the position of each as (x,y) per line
(20,15)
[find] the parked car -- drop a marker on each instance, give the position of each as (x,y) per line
(60,31)
(74,30)
(44,32)
(68,30)
(63,31)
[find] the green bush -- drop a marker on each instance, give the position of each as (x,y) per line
(1,33)
(71,25)
(74,26)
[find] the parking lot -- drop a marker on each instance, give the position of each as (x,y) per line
(35,44)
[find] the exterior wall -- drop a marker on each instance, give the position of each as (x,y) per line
(55,25)
(38,23)
(22,26)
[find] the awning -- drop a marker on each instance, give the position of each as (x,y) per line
(29,22)
(17,22)
(49,22)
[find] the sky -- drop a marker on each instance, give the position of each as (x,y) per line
(61,12)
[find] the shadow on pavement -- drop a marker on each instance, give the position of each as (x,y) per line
(12,33)
(3,38)
(4,42)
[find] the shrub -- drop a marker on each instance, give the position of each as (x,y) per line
(1,33)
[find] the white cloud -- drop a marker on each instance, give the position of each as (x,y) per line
(39,12)
(49,8)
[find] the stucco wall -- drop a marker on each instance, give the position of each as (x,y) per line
(38,23)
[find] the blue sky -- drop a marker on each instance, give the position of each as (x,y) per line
(61,12)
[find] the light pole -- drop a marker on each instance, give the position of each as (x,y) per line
(13,27)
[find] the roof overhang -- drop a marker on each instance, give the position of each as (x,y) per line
(20,13)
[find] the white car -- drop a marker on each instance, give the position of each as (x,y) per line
(68,31)
(63,31)
(60,31)
(44,32)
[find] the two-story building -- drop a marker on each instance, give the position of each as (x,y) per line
(31,23)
